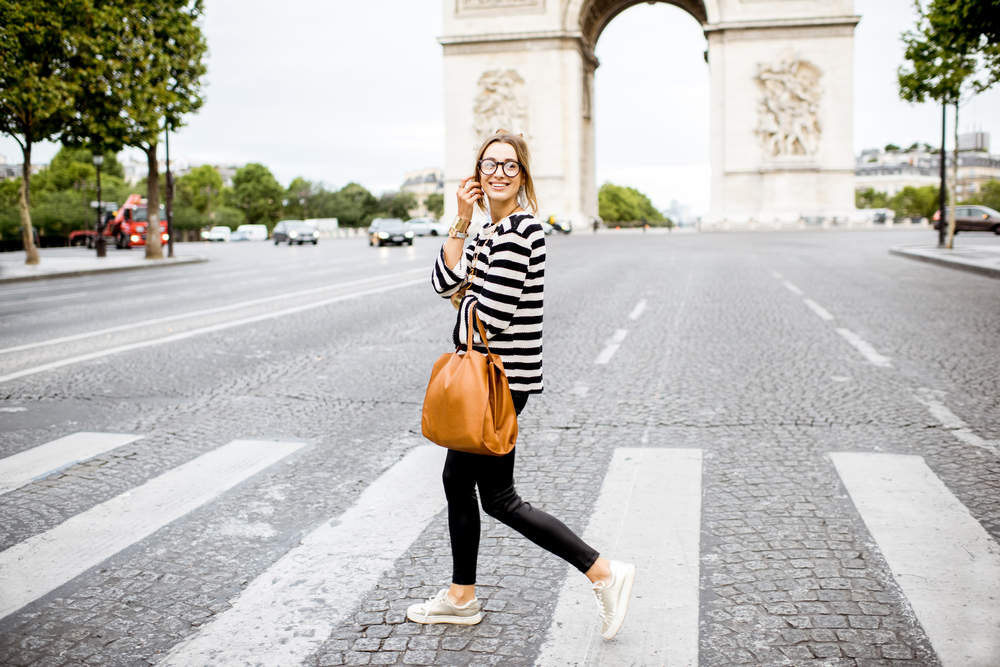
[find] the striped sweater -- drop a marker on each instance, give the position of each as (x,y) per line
(507,290)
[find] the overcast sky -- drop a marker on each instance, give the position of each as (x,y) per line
(339,92)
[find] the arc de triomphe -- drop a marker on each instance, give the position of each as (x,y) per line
(781,101)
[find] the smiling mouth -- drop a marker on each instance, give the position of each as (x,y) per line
(498,185)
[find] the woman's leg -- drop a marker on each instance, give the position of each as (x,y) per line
(459,479)
(501,501)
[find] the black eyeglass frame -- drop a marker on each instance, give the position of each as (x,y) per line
(500,165)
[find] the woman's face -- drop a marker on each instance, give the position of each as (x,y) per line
(498,186)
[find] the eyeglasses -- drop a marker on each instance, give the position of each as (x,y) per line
(488,166)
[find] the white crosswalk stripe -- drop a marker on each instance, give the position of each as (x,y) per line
(649,514)
(42,461)
(944,561)
(287,612)
(46,561)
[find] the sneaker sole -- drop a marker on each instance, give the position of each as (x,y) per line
(622,604)
(453,620)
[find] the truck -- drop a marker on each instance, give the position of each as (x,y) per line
(127,228)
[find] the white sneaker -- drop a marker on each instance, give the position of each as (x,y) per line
(612,599)
(440,609)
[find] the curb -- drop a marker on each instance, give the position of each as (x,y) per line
(950,263)
(154,264)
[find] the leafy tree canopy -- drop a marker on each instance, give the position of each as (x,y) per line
(201,188)
(397,204)
(354,206)
(912,202)
(891,147)
(870,198)
(988,196)
(623,204)
(258,194)
(435,204)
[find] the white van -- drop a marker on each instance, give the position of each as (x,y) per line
(256,232)
(219,234)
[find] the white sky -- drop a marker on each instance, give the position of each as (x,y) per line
(339,92)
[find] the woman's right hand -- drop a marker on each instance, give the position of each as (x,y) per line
(468,192)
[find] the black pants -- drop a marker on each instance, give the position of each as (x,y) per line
(494,475)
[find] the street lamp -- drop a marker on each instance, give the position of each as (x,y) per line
(100,244)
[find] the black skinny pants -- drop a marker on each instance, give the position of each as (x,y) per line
(494,475)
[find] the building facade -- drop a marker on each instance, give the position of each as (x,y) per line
(422,183)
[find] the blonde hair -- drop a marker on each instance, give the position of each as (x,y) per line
(528,200)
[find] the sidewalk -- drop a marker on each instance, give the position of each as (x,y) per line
(69,262)
(983,259)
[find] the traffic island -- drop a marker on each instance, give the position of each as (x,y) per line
(71,262)
(982,259)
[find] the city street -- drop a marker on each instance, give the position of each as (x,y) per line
(794,436)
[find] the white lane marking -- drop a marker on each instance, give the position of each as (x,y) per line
(637,311)
(580,389)
(42,563)
(202,330)
(20,469)
(823,313)
(865,348)
(776,275)
(950,421)
(792,288)
(613,344)
(288,612)
(648,514)
(944,561)
(13,409)
(30,300)
(199,313)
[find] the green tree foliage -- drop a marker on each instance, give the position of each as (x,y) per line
(870,199)
(299,189)
(913,202)
(258,194)
(618,203)
(435,204)
(353,206)
(989,195)
(200,201)
(41,42)
(397,204)
(891,147)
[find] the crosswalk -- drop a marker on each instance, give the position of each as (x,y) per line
(649,511)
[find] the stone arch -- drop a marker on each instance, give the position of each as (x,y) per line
(781,80)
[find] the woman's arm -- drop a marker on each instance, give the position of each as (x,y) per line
(468,192)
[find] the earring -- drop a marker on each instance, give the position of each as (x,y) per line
(522,197)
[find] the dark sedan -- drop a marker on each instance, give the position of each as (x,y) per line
(970,218)
(385,231)
(294,231)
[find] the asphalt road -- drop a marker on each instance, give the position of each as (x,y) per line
(762,360)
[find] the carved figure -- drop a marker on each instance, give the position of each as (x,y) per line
(788,122)
(501,103)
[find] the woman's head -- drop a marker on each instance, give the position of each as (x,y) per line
(502,154)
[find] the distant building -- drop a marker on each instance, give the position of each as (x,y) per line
(679,213)
(423,183)
(136,170)
(917,166)
(12,171)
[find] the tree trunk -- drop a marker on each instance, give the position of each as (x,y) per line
(30,251)
(954,186)
(154,249)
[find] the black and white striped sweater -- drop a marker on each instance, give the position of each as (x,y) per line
(507,290)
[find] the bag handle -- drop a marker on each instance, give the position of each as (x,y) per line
(479,325)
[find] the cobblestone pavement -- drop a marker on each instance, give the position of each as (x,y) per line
(727,357)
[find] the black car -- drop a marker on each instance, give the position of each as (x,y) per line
(294,231)
(384,231)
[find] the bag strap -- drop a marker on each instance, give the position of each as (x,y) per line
(479,325)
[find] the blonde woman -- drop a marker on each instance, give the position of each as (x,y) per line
(507,260)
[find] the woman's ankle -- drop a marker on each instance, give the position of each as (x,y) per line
(600,571)
(460,595)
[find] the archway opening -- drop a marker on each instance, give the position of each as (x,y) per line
(651,102)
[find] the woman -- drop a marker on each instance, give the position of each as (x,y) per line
(507,262)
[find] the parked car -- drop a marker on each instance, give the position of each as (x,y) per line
(426,227)
(384,231)
(255,232)
(294,231)
(240,235)
(219,234)
(972,219)
(546,227)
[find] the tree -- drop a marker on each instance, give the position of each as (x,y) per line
(201,189)
(298,189)
(976,21)
(913,202)
(947,66)
(40,73)
(891,147)
(258,194)
(354,206)
(989,195)
(397,204)
(870,198)
(623,204)
(435,204)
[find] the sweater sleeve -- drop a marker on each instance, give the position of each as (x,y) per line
(448,280)
(509,262)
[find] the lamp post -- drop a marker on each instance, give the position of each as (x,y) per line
(170,198)
(944,189)
(100,244)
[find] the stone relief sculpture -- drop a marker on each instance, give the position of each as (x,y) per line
(501,103)
(788,122)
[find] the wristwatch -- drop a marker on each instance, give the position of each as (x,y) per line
(455,234)
(459,227)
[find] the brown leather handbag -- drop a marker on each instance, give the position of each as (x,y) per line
(468,406)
